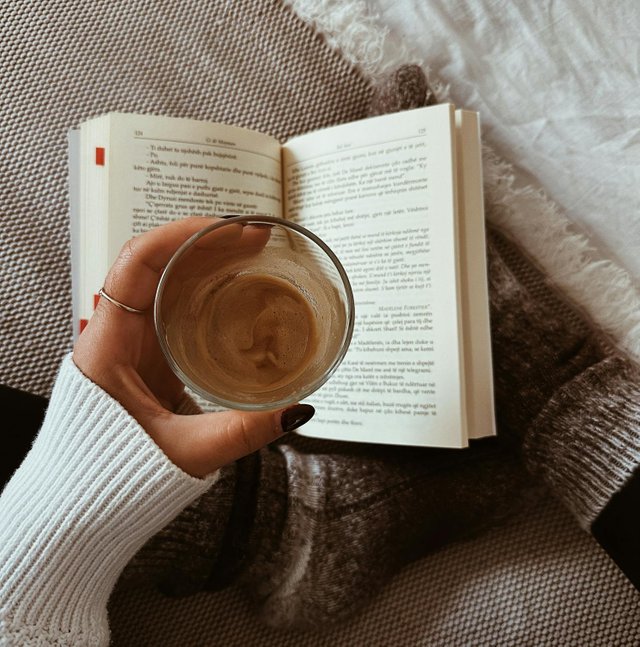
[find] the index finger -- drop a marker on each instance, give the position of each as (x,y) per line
(134,276)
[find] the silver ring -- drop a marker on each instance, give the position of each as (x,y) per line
(135,311)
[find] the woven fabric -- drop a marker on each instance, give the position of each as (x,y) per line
(538,580)
(249,62)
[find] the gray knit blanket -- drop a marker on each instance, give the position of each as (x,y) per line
(311,530)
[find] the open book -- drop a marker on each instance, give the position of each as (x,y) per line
(399,200)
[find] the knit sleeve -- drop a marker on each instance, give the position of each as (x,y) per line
(586,441)
(92,490)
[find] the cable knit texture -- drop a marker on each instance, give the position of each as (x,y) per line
(92,490)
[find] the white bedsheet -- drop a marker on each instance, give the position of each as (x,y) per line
(558,88)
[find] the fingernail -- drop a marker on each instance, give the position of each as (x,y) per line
(296,416)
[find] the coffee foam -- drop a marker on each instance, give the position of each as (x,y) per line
(257,330)
(257,334)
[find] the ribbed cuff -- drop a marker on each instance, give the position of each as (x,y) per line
(92,490)
(586,441)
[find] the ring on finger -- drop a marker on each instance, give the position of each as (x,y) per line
(117,303)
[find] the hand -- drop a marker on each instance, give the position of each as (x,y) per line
(118,350)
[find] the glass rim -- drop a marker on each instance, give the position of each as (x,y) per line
(247,406)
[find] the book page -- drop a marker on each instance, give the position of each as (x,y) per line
(88,217)
(164,168)
(382,194)
(141,171)
(473,279)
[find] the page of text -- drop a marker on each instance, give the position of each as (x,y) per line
(382,194)
(162,169)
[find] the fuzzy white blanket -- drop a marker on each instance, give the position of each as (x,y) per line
(556,88)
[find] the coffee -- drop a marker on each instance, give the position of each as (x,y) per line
(254,314)
(250,334)
(255,332)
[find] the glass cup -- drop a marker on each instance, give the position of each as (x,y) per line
(254,313)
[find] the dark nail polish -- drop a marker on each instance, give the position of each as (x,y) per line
(296,416)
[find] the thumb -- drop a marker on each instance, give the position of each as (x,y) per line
(200,444)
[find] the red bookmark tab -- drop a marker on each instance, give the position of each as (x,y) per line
(96,298)
(83,324)
(99,156)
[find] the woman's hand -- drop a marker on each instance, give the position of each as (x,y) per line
(118,350)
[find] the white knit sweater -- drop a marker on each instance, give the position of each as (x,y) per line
(91,491)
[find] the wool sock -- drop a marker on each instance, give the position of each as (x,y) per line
(312,529)
(565,396)
(538,341)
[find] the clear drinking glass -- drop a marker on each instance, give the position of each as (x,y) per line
(254,312)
